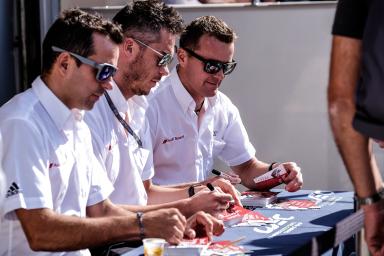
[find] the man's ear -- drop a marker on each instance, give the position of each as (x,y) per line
(182,56)
(63,63)
(128,45)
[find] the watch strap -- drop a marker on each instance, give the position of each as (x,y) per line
(371,199)
(139,216)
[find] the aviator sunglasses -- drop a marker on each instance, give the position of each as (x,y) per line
(104,71)
(213,66)
(166,58)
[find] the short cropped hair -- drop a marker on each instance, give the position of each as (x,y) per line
(206,25)
(73,31)
(143,20)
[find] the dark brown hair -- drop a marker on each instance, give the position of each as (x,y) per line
(145,19)
(206,25)
(73,31)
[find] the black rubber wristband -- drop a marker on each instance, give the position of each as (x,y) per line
(271,166)
(139,216)
(191,191)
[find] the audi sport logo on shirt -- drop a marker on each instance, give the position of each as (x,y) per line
(173,139)
(13,190)
(51,165)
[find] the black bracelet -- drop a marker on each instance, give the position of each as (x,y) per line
(271,166)
(191,190)
(139,216)
(371,199)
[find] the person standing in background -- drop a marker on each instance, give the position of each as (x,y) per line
(357,64)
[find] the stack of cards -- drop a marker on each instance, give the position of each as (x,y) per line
(271,179)
(258,198)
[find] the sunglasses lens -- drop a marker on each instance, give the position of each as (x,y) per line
(165,60)
(105,72)
(212,67)
(228,68)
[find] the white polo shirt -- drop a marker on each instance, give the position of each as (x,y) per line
(48,162)
(126,164)
(183,152)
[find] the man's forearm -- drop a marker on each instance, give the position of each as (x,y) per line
(48,231)
(249,170)
(354,148)
(158,194)
(182,205)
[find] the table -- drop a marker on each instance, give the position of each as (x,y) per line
(300,232)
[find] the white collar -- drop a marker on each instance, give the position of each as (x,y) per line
(182,95)
(121,103)
(56,109)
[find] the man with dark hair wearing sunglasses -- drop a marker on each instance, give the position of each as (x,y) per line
(120,131)
(192,122)
(53,178)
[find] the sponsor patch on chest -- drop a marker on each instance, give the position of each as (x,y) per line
(173,139)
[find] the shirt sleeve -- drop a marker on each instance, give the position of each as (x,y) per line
(25,163)
(350,18)
(237,147)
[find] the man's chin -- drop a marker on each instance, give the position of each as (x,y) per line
(212,93)
(142,93)
(89,105)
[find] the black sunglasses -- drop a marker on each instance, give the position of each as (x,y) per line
(104,71)
(213,66)
(166,58)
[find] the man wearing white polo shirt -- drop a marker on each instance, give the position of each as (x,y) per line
(120,131)
(57,192)
(192,122)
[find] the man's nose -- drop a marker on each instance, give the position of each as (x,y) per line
(220,75)
(164,70)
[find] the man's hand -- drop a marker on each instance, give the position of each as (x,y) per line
(374,227)
(226,187)
(294,179)
(213,202)
(165,223)
(203,224)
